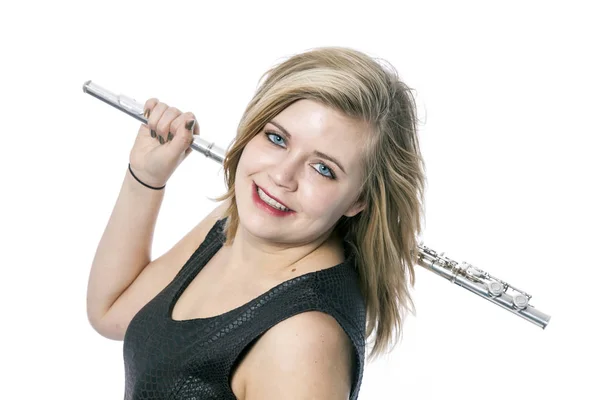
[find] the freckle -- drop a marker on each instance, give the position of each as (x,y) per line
(294,270)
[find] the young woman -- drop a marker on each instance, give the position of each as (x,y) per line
(310,253)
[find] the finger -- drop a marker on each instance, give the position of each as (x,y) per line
(178,122)
(155,116)
(196,127)
(149,106)
(164,124)
(183,138)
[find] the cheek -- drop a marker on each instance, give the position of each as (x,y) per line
(247,161)
(321,199)
(254,157)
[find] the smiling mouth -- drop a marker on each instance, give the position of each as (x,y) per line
(265,198)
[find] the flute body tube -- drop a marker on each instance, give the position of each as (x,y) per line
(462,274)
(136,110)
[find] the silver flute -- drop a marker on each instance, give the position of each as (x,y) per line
(463,274)
(136,110)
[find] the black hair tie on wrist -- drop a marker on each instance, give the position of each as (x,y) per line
(148,186)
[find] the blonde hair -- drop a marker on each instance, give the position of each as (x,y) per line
(384,236)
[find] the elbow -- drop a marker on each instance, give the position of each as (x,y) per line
(107,329)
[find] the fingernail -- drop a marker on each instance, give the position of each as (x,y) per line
(161,140)
(190,124)
(146,113)
(170,137)
(153,133)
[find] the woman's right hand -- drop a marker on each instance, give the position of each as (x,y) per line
(163,144)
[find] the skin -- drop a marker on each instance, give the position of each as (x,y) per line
(286,168)
(307,356)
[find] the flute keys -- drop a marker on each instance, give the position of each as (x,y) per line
(472,271)
(495,288)
(520,301)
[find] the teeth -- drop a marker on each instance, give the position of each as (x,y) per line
(271,202)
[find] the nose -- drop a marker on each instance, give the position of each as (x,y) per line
(285,174)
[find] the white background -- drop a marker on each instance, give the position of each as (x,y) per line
(508,102)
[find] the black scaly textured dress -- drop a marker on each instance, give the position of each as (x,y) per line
(193,359)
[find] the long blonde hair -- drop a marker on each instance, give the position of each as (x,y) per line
(384,235)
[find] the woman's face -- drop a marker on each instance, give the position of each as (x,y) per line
(309,159)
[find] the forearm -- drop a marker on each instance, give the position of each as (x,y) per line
(125,247)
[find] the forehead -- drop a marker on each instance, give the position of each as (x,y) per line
(322,128)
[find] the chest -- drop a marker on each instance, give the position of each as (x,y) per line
(216,290)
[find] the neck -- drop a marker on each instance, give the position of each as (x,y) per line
(248,255)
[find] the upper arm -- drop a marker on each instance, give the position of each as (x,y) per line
(307,356)
(155,277)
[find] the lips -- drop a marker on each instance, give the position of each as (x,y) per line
(271,196)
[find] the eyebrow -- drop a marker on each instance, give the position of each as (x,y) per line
(316,152)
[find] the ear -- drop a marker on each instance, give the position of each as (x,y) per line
(355,209)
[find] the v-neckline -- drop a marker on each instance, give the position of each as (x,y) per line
(208,249)
(213,248)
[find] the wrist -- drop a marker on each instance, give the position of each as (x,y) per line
(141,180)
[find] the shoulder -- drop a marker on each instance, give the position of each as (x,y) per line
(306,355)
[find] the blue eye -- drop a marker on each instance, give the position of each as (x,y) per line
(325,171)
(278,139)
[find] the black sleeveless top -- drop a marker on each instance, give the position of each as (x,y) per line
(193,359)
